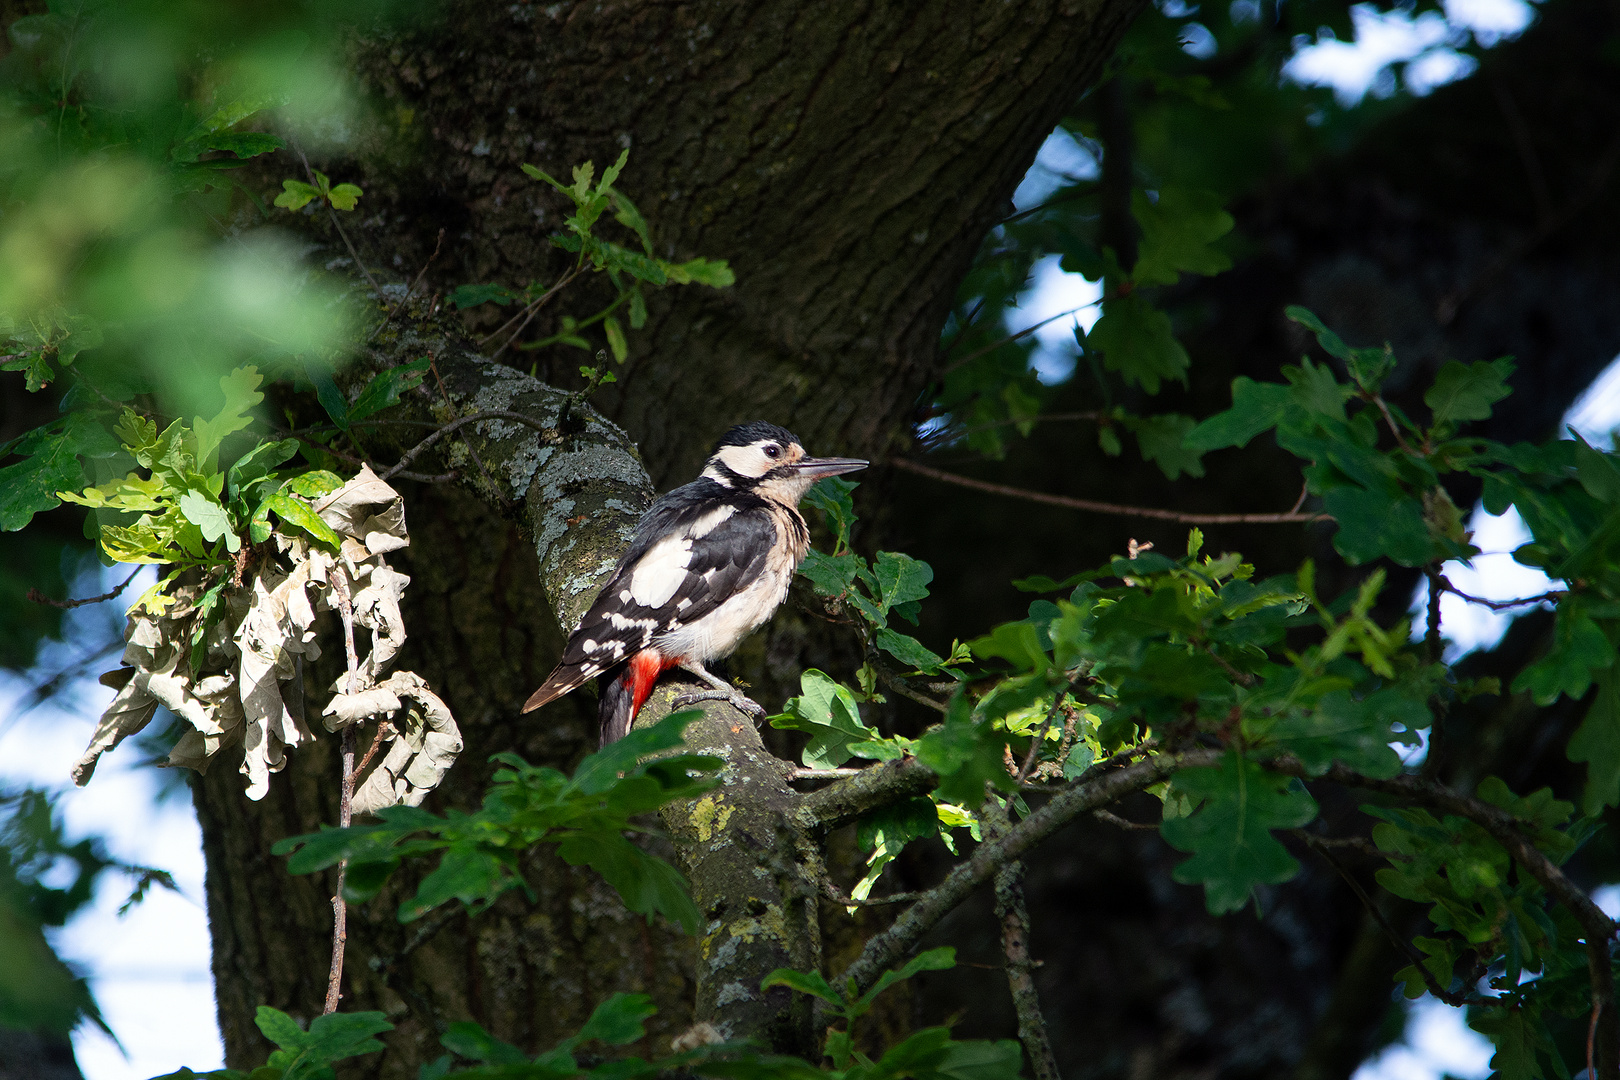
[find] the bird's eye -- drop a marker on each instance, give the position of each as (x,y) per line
(773,451)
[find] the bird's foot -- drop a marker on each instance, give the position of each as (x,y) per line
(740,701)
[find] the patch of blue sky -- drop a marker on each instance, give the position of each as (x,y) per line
(1495,575)
(1056,302)
(1426,44)
(149,969)
(1061,161)
(1438,1043)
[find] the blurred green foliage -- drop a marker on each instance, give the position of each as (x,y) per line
(44,880)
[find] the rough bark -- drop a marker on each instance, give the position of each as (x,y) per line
(846,159)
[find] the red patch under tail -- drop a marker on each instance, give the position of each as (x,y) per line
(643,672)
(623,697)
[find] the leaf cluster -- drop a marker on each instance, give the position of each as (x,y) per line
(475,1054)
(630,268)
(929,1053)
(586,816)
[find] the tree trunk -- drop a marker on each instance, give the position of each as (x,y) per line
(847,160)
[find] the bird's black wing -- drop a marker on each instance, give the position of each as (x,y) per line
(692,551)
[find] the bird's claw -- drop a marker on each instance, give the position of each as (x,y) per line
(739,701)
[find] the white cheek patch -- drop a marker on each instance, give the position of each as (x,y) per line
(660,572)
(745,460)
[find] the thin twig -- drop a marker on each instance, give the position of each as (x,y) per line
(1040,736)
(1048,204)
(425,478)
(395,310)
(340,909)
(1048,418)
(1010,338)
(1400,942)
(839,896)
(1107,508)
(37,597)
(1389,418)
(1552,596)
(534,309)
(967,325)
(1304,491)
(361,266)
(384,730)
(1111,818)
(491,414)
(1358,844)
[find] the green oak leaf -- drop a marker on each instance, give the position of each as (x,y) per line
(1229,836)
(1136,341)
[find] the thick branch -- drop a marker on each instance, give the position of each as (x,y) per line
(881,785)
(1014,916)
(574,479)
(887,948)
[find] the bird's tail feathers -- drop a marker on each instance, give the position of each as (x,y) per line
(558,683)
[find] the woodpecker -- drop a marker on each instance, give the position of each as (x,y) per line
(709,563)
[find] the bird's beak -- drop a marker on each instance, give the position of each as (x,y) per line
(816,468)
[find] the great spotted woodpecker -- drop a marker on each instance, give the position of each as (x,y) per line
(709,563)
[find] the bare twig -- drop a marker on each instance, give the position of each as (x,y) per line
(532,310)
(1359,844)
(1046,724)
(1047,418)
(37,597)
(894,682)
(967,325)
(395,310)
(1456,1000)
(839,896)
(491,414)
(1304,491)
(1389,418)
(1026,331)
(402,474)
(336,224)
(1106,508)
(1111,818)
(340,910)
(384,730)
(1552,596)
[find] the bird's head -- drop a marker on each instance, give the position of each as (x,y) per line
(770,462)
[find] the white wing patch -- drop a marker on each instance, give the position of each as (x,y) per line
(660,571)
(706,524)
